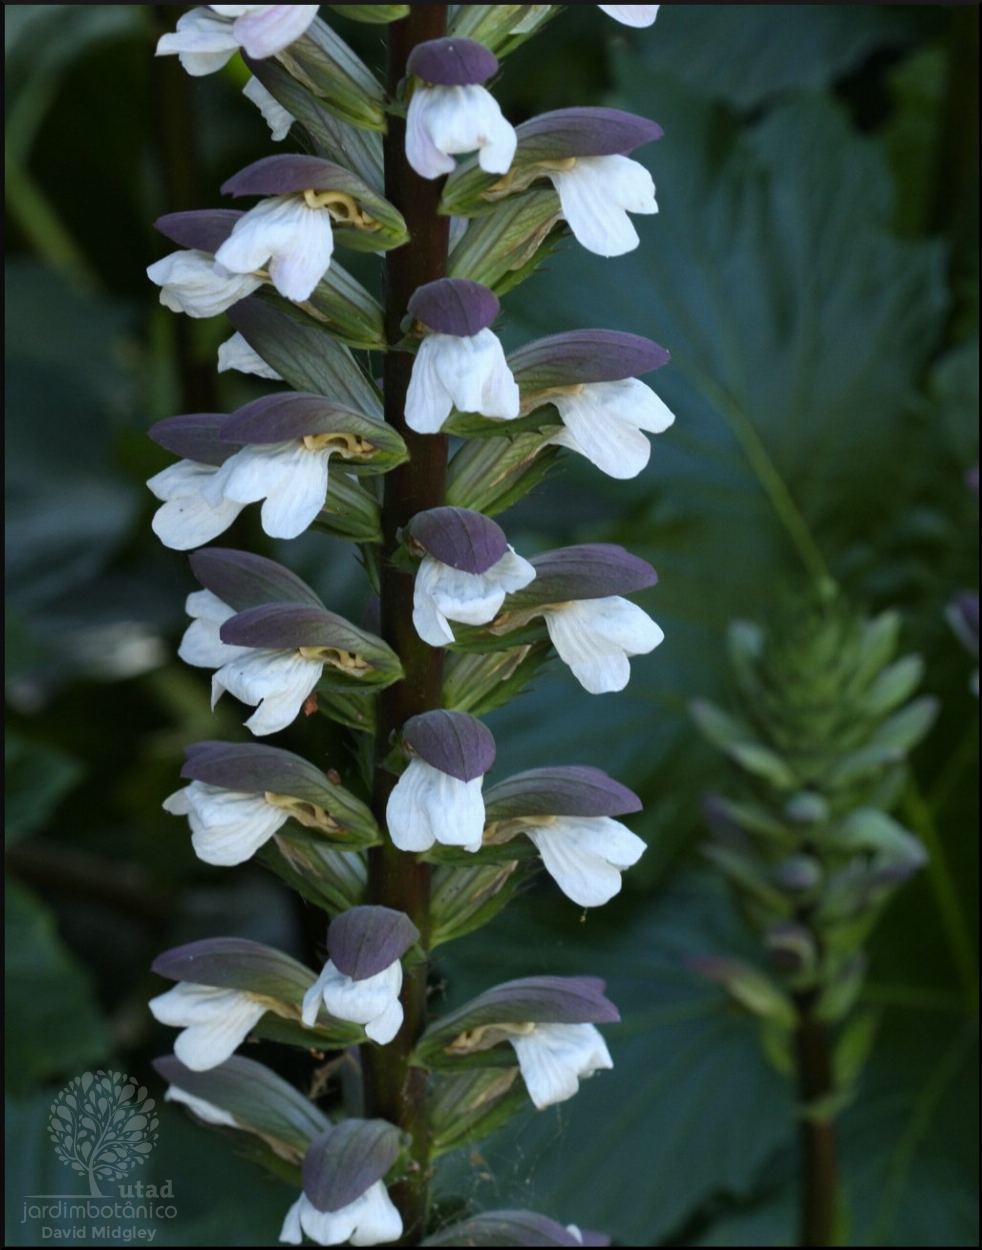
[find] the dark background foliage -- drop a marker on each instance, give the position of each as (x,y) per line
(814,272)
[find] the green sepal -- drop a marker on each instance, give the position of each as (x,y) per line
(350,511)
(490,475)
(331,137)
(502,249)
(468,896)
(338,1036)
(853,1048)
(373,14)
(305,354)
(494,24)
(480,640)
(343,306)
(467,1106)
(471,425)
(322,62)
(479,683)
(261,1102)
(353,708)
(325,874)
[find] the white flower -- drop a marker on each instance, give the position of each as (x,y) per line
(206,1111)
(468,373)
(191,282)
(603,421)
(207,38)
(443,594)
(427,806)
(373,1002)
(278,681)
(596,196)
(636,15)
(215,1021)
(235,353)
(446,121)
(186,519)
(286,236)
(277,118)
(371,1220)
(554,1057)
(291,477)
(586,855)
(227,826)
(202,645)
(596,636)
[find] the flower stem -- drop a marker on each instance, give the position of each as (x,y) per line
(813,1058)
(394,1090)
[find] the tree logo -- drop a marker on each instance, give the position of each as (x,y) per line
(102,1127)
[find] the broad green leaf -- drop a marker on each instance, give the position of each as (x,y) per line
(48,998)
(38,777)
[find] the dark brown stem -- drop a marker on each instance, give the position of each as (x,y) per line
(813,1057)
(394,1090)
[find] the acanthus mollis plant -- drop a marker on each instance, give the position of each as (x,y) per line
(810,850)
(415,847)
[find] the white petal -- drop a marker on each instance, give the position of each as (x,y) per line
(201,645)
(277,118)
(373,1002)
(227,826)
(471,598)
(327,1228)
(595,637)
(281,232)
(617,448)
(187,519)
(278,681)
(217,1021)
(379,1222)
(421,152)
(453,120)
(469,371)
(428,621)
(235,353)
(442,593)
(596,196)
(637,15)
(292,1232)
(428,401)
(205,1111)
(428,806)
(385,1027)
(178,803)
(203,42)
(269,28)
(554,1057)
(191,282)
(291,479)
(586,855)
(314,997)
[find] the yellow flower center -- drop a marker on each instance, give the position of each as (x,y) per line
(343,208)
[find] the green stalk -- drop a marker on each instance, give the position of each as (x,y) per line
(394,1090)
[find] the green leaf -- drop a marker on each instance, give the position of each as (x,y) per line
(59,1029)
(38,777)
(785,47)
